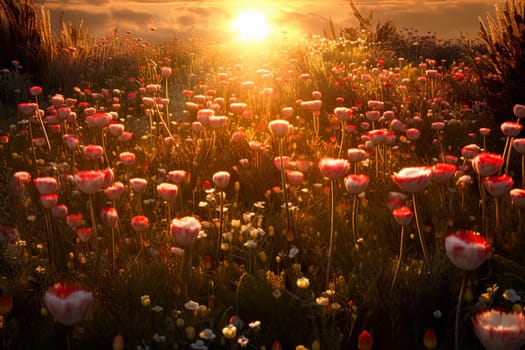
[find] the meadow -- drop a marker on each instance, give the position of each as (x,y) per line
(358,190)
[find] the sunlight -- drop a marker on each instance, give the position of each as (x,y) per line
(251,25)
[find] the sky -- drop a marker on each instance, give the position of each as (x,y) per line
(157,20)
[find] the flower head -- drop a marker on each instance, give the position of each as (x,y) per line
(69,305)
(413,179)
(467,249)
(333,168)
(185,230)
(499,330)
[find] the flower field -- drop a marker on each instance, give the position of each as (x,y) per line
(328,193)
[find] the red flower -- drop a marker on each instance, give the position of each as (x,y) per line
(467,249)
(517,196)
(413,179)
(356,183)
(498,186)
(109,216)
(511,129)
(499,330)
(443,172)
(138,184)
(83,233)
(365,341)
(69,305)
(294,177)
(334,168)
(279,128)
(185,230)
(139,223)
(487,164)
(167,191)
(89,181)
(429,339)
(403,215)
(114,191)
(221,179)
(46,184)
(93,152)
(177,176)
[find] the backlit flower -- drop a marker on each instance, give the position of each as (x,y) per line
(334,168)
(89,181)
(185,230)
(22,178)
(221,179)
(167,191)
(139,223)
(499,330)
(69,305)
(413,179)
(356,155)
(467,249)
(365,341)
(49,200)
(403,215)
(519,145)
(177,176)
(498,186)
(93,152)
(46,184)
(138,184)
(511,129)
(109,216)
(279,128)
(443,172)
(430,339)
(517,197)
(487,164)
(294,177)
(127,158)
(114,191)
(356,183)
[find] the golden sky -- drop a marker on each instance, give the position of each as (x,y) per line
(158,20)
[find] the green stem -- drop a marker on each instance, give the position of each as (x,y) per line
(398,264)
(283,182)
(458,310)
(420,234)
(331,243)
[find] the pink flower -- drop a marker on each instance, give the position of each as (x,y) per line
(93,152)
(467,249)
(221,179)
(59,211)
(167,191)
(470,151)
(443,172)
(519,145)
(177,176)
(356,183)
(49,200)
(114,191)
(294,177)
(395,200)
(139,223)
(487,164)
(69,305)
(499,330)
(89,181)
(109,216)
(138,184)
(356,155)
(22,178)
(83,233)
(46,184)
(517,196)
(216,122)
(71,141)
(74,220)
(498,186)
(116,129)
(519,111)
(365,341)
(342,113)
(511,129)
(277,162)
(27,109)
(403,215)
(127,158)
(279,128)
(334,168)
(413,179)
(185,230)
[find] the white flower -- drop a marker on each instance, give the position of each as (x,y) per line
(157,308)
(250,243)
(322,301)
(159,338)
(293,252)
(243,341)
(276,293)
(192,305)
(255,325)
(511,295)
(207,334)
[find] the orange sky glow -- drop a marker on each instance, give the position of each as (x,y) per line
(157,20)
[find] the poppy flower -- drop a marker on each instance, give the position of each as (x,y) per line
(69,305)
(413,179)
(185,230)
(487,164)
(467,249)
(499,330)
(356,183)
(89,181)
(334,168)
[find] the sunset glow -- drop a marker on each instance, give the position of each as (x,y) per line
(251,25)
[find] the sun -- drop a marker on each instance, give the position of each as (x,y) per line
(251,25)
